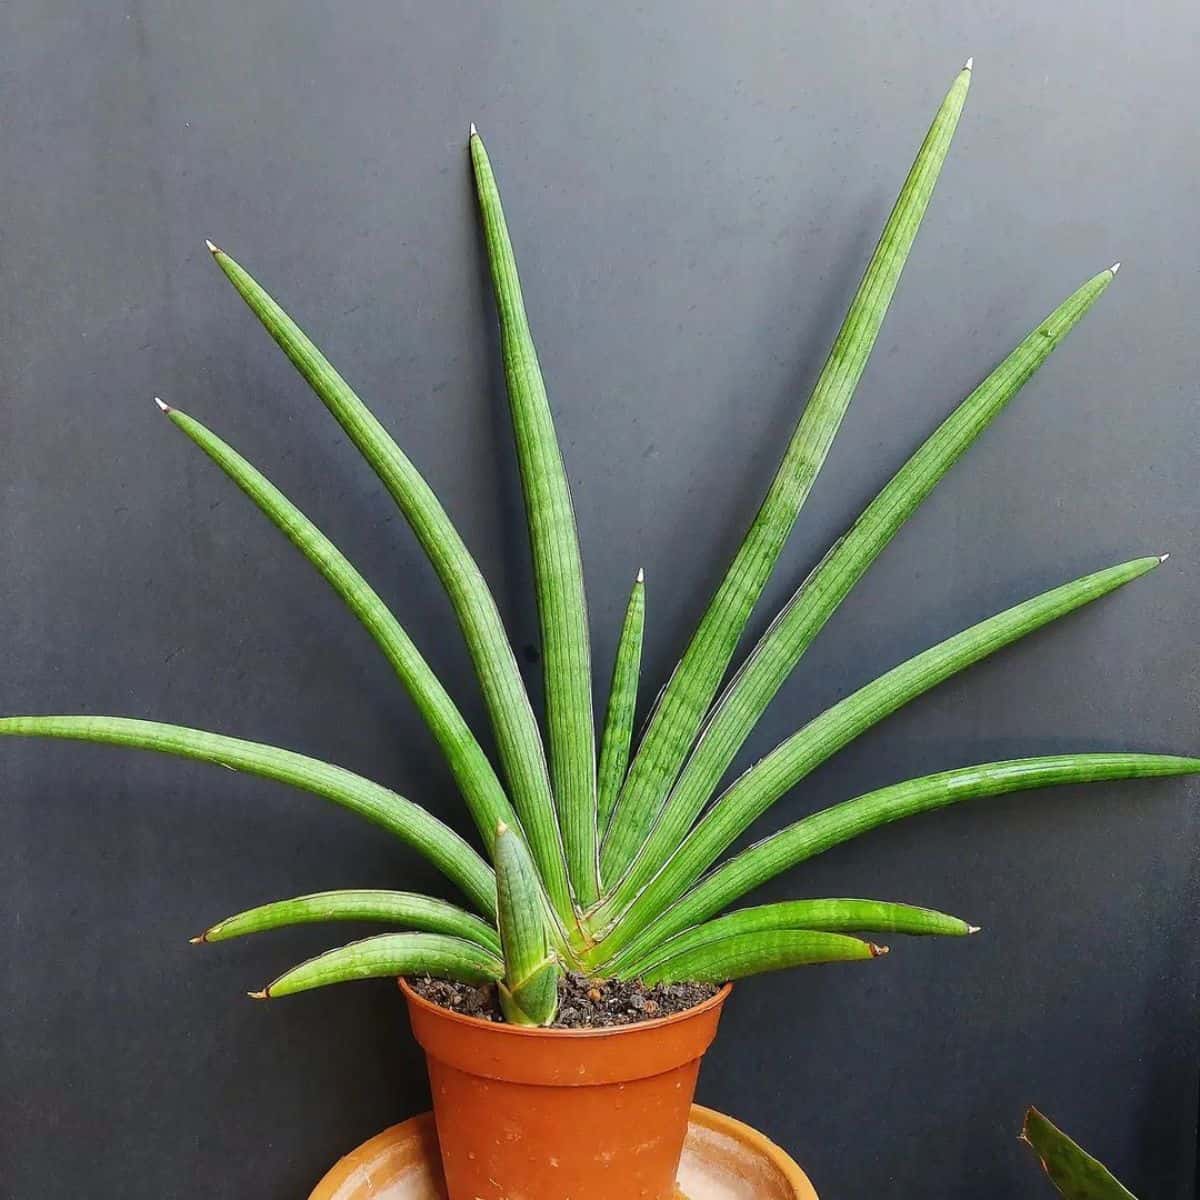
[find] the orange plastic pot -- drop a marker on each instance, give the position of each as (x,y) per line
(544,1114)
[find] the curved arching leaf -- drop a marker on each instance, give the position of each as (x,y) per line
(406,909)
(755,953)
(756,790)
(825,916)
(831,827)
(408,821)
(386,956)
(472,771)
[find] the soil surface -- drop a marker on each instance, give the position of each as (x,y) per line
(582,1003)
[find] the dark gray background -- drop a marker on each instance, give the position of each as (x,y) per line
(693,190)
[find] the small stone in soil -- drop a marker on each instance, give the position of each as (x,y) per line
(582,1003)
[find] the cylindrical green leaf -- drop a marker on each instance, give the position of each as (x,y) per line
(677,717)
(517,735)
(821,831)
(825,916)
(818,597)
(554,542)
(386,956)
(755,953)
(622,702)
(756,790)
(408,821)
(391,908)
(523,935)
(472,771)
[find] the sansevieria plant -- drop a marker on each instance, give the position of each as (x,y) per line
(605,854)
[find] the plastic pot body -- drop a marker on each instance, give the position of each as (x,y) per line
(549,1114)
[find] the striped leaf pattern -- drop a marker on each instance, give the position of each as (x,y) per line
(756,953)
(776,655)
(473,772)
(813,835)
(622,703)
(379,805)
(405,909)
(554,541)
(385,957)
(827,916)
(512,716)
(677,717)
(755,791)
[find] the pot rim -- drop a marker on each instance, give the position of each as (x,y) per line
(503,1029)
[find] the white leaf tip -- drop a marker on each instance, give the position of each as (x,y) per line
(161,406)
(641,575)
(474,131)
(265,994)
(1114,268)
(969,63)
(974,928)
(213,248)
(1162,558)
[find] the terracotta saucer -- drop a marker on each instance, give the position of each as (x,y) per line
(722,1160)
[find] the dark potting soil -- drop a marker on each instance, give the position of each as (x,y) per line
(582,1003)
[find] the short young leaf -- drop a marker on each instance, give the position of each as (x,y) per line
(529,989)
(622,703)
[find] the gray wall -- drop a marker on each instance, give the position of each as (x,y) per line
(694,188)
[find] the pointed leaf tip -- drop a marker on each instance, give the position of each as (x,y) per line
(969,63)
(161,406)
(1114,268)
(641,575)
(474,131)
(198,940)
(688,738)
(265,994)
(973,928)
(878,951)
(1162,558)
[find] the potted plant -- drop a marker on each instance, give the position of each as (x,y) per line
(602,884)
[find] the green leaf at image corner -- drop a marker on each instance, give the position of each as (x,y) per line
(1074,1172)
